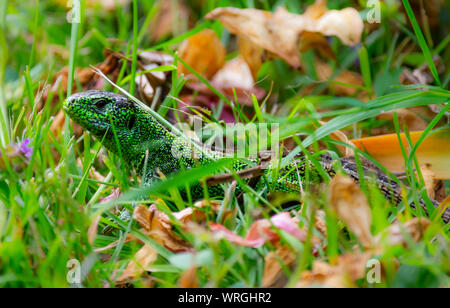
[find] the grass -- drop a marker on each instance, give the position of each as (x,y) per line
(49,202)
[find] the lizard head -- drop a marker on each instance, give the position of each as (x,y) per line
(122,124)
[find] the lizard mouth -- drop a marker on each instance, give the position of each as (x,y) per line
(87,120)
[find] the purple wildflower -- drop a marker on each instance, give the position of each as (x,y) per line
(25,149)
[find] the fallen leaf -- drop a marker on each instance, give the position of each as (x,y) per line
(432,151)
(235,74)
(252,54)
(136,267)
(423,75)
(405,117)
(274,276)
(204,52)
(324,73)
(414,228)
(351,206)
(340,136)
(171,18)
(92,230)
(430,181)
(313,40)
(348,269)
(261,231)
(58,123)
(258,234)
(159,226)
(188,279)
(279,32)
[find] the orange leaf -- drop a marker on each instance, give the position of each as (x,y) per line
(204,52)
(433,151)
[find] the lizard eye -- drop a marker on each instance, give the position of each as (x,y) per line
(101,103)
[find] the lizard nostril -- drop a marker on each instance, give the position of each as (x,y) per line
(131,122)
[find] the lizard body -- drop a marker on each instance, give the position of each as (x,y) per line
(145,144)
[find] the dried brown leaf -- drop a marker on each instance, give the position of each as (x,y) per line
(252,53)
(92,231)
(340,136)
(405,117)
(274,276)
(348,269)
(159,226)
(188,279)
(324,73)
(204,52)
(141,261)
(279,32)
(171,18)
(235,74)
(414,228)
(351,206)
(429,178)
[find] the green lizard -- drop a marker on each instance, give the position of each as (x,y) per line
(146,145)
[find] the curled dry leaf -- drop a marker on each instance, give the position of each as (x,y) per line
(414,228)
(92,231)
(159,226)
(148,83)
(87,79)
(145,88)
(325,72)
(422,75)
(340,136)
(319,221)
(145,257)
(351,206)
(235,74)
(430,181)
(405,117)
(252,53)
(188,279)
(171,18)
(348,269)
(258,234)
(279,32)
(234,78)
(261,231)
(204,52)
(273,272)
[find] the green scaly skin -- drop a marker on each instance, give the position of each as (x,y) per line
(133,133)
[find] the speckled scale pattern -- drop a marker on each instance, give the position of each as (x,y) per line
(140,136)
(148,146)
